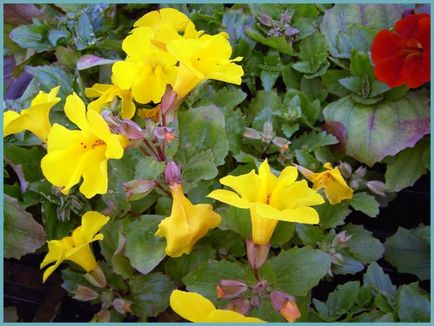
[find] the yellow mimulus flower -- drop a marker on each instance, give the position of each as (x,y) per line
(198,309)
(106,93)
(76,248)
(187,223)
(270,199)
(331,180)
(206,57)
(35,118)
(166,23)
(147,70)
(72,154)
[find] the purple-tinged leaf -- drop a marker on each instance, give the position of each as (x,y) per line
(88,60)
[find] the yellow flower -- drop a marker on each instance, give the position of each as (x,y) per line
(106,93)
(35,118)
(147,70)
(270,199)
(166,23)
(187,223)
(198,309)
(203,58)
(72,154)
(76,248)
(331,180)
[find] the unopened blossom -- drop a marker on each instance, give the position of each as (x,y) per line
(331,180)
(198,309)
(76,248)
(270,199)
(35,118)
(83,153)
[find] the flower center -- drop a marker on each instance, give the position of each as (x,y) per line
(413,49)
(92,145)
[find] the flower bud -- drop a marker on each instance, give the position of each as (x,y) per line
(250,133)
(360,172)
(168,100)
(137,189)
(240,305)
(102,316)
(96,277)
(407,12)
(165,134)
(227,289)
(172,173)
(265,20)
(340,238)
(122,306)
(257,254)
(377,187)
(337,259)
(83,293)
(267,131)
(286,305)
(345,169)
(282,143)
(124,127)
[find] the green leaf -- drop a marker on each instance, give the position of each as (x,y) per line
(365,203)
(203,129)
(23,235)
(332,215)
(150,294)
(313,140)
(229,97)
(298,270)
(199,167)
(370,133)
(178,267)
(310,235)
(149,168)
(55,35)
(290,77)
(34,36)
(349,266)
(263,101)
(340,21)
(362,245)
(283,233)
(412,305)
(279,43)
(235,219)
(313,53)
(409,253)
(28,158)
(331,80)
(204,279)
(85,34)
(142,247)
(51,76)
(380,281)
(55,228)
(407,167)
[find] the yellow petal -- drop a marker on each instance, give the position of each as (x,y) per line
(229,197)
(60,138)
(55,254)
(82,255)
(299,194)
(262,228)
(95,180)
(97,90)
(128,107)
(75,110)
(186,81)
(191,306)
(229,316)
(170,16)
(267,183)
(125,72)
(246,185)
(137,44)
(91,223)
(301,214)
(10,128)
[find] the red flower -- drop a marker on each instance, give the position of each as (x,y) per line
(403,57)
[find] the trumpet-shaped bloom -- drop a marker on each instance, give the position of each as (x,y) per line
(35,118)
(404,57)
(76,247)
(270,199)
(331,180)
(187,224)
(72,154)
(203,58)
(148,68)
(106,93)
(198,309)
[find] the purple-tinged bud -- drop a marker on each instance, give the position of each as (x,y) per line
(285,17)
(282,143)
(265,20)
(340,238)
(257,254)
(407,12)
(291,31)
(168,100)
(345,169)
(83,293)
(227,289)
(122,306)
(125,127)
(261,288)
(377,187)
(337,259)
(360,172)
(250,133)
(240,305)
(172,173)
(164,134)
(96,277)
(102,316)
(267,131)
(137,189)
(286,305)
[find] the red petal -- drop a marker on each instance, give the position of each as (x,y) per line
(408,27)
(389,71)
(385,45)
